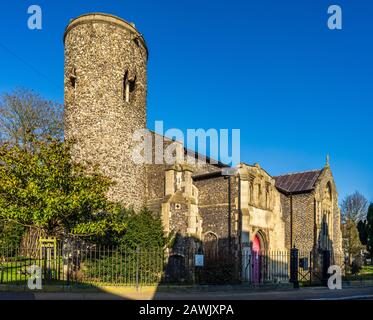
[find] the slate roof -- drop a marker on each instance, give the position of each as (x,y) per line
(297,182)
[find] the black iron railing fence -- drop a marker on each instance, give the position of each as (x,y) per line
(87,264)
(93,265)
(313,267)
(265,266)
(108,265)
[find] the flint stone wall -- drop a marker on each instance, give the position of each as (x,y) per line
(101,53)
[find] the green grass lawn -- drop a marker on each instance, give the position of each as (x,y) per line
(366,273)
(15,270)
(367,270)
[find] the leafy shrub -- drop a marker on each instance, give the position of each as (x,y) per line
(144,230)
(136,252)
(356,266)
(125,266)
(10,237)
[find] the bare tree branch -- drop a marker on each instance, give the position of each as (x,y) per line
(354,207)
(25,114)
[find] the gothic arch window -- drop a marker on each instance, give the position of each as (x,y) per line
(128,87)
(325,224)
(327,218)
(328,192)
(326,236)
(211,245)
(72,78)
(325,231)
(330,229)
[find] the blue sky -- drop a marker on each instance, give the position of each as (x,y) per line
(296,89)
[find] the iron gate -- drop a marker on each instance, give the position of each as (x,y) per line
(313,267)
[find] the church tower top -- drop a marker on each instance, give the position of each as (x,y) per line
(106,18)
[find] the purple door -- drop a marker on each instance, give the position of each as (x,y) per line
(256,260)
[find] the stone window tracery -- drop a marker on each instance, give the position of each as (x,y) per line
(326,233)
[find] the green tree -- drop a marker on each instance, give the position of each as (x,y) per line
(353,210)
(10,237)
(42,188)
(144,230)
(363,234)
(366,231)
(351,241)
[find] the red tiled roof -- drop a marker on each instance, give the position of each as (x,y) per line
(298,182)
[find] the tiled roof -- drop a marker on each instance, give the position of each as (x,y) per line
(297,182)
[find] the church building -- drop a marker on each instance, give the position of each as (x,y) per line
(105,104)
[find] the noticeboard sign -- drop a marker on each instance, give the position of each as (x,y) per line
(199,260)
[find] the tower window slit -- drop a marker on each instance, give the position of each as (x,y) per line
(73,78)
(128,87)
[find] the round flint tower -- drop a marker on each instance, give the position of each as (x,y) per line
(105,99)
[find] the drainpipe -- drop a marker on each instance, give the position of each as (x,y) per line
(229,215)
(239,214)
(291,220)
(239,227)
(314,225)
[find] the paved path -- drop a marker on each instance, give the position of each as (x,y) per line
(231,294)
(300,294)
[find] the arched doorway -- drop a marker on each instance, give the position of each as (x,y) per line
(256,248)
(211,246)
